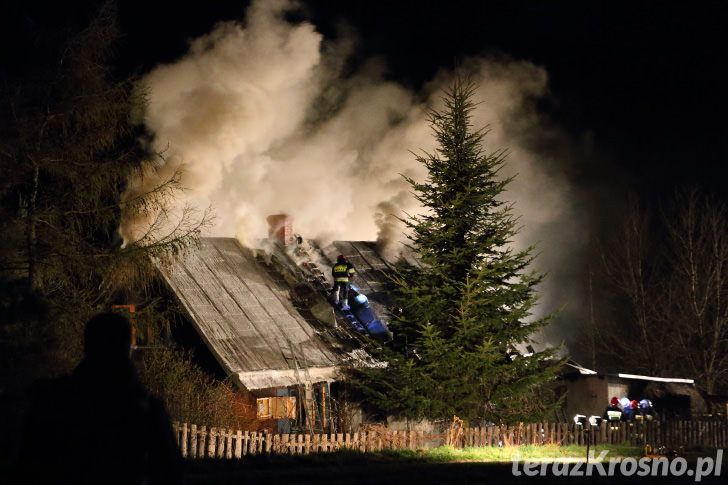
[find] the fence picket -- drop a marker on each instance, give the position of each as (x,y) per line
(193,440)
(201,437)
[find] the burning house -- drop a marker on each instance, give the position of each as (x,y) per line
(265,315)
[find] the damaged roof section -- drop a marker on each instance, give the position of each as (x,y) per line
(246,318)
(371,272)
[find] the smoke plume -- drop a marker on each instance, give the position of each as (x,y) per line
(261,119)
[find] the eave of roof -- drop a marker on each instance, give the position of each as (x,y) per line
(673,380)
(584,371)
(245,316)
(285,378)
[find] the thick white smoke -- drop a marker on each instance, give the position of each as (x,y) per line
(263,123)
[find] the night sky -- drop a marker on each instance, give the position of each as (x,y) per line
(645,82)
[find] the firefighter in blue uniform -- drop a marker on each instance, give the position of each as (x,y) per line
(342,271)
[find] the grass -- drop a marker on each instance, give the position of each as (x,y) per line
(444,454)
(396,467)
(524,452)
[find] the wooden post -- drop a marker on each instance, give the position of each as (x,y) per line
(220,443)
(314,441)
(211,442)
(681,432)
(183,441)
(201,442)
(193,441)
(357,442)
(229,444)
(718,442)
(238,444)
(339,440)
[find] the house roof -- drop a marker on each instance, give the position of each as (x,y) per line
(245,316)
(370,268)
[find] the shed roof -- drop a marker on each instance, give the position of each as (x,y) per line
(584,371)
(246,318)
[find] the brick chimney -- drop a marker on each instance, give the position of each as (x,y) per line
(280,226)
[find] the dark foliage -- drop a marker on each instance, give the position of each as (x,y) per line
(460,342)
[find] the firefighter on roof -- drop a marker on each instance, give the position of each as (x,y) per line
(342,271)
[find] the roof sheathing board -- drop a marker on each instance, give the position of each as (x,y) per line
(370,269)
(242,314)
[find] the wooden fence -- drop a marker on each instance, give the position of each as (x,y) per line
(656,433)
(201,442)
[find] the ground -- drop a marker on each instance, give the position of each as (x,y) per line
(359,469)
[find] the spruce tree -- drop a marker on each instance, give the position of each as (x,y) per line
(71,138)
(467,307)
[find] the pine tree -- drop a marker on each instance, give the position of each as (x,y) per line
(467,307)
(70,131)
(71,138)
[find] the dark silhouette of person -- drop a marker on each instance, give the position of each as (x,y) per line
(99,425)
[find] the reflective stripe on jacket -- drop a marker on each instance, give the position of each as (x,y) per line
(342,271)
(614,415)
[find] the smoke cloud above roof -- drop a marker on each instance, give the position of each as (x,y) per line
(263,118)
